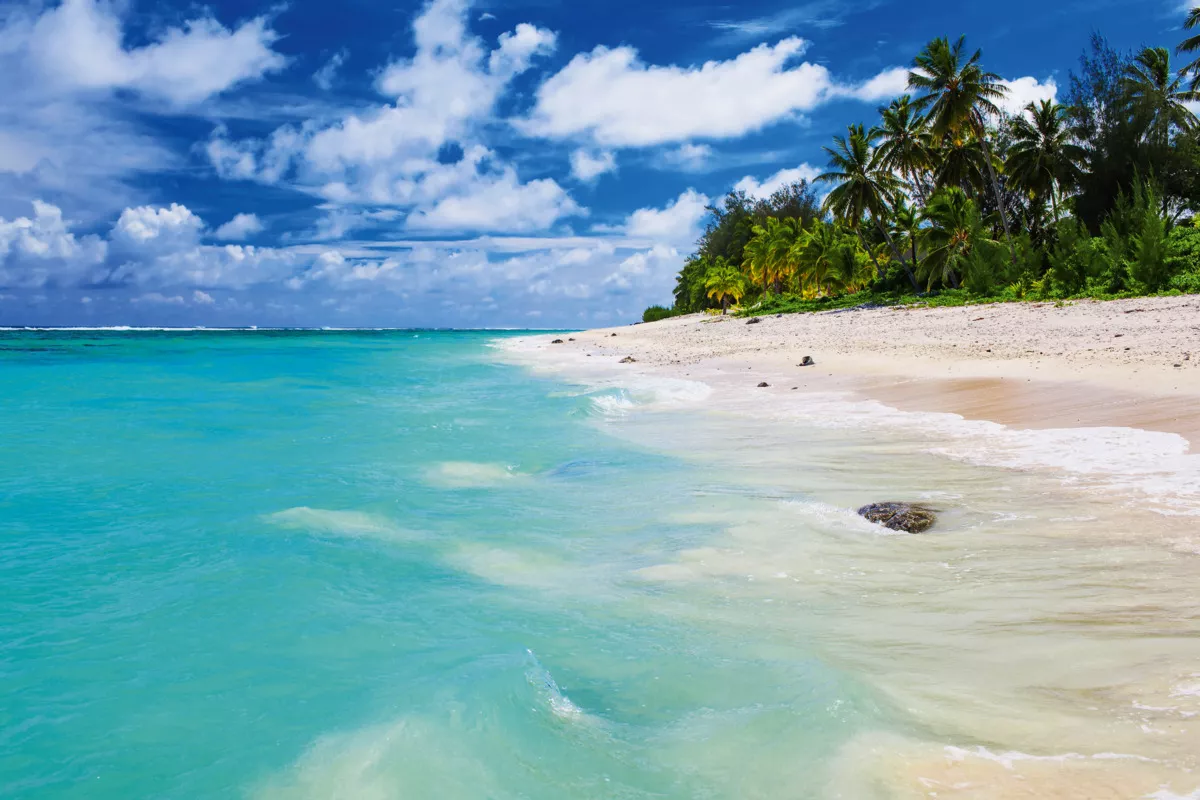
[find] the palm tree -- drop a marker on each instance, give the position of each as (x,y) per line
(724,283)
(959,95)
(905,144)
(961,162)
(1157,97)
(906,225)
(1044,158)
(1190,45)
(954,238)
(767,253)
(864,186)
(813,255)
(755,258)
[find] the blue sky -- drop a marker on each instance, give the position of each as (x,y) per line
(529,164)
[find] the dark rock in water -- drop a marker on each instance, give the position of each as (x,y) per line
(557,341)
(763,385)
(754,320)
(628,360)
(807,361)
(571,340)
(900,516)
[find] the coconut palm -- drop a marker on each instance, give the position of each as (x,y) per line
(767,253)
(1157,97)
(724,284)
(864,186)
(905,143)
(906,228)
(1043,158)
(955,237)
(1190,45)
(959,96)
(756,257)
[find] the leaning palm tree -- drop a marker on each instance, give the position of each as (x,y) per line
(905,144)
(1044,159)
(864,186)
(724,283)
(1190,45)
(1157,97)
(959,95)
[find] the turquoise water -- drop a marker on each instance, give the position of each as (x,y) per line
(367,565)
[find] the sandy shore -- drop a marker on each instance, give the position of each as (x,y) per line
(1130,363)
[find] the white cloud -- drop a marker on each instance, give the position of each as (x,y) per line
(157,298)
(324,77)
(677,224)
(889,84)
(79,45)
(1023,91)
(498,203)
(38,249)
(587,166)
(390,154)
(688,157)
(611,96)
(151,228)
(784,177)
(242,226)
(202,298)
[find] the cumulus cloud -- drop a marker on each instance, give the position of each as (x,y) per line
(390,154)
(889,84)
(1023,91)
(242,226)
(784,177)
(40,249)
(587,165)
(615,99)
(499,203)
(676,224)
(80,45)
(154,228)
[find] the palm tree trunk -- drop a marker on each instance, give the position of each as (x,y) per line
(987,156)
(896,252)
(724,304)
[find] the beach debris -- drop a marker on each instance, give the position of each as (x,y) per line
(979,319)
(807,361)
(764,384)
(557,341)
(754,320)
(899,516)
(628,360)
(571,339)
(612,334)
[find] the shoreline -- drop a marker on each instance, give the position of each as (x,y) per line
(1124,363)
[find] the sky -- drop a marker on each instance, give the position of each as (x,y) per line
(534,164)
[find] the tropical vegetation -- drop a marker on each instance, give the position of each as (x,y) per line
(948,199)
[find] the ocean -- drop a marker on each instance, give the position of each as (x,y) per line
(405,564)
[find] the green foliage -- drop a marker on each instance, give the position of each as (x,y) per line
(1077,259)
(1183,257)
(1058,202)
(655,313)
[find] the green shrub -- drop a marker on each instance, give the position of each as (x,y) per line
(655,313)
